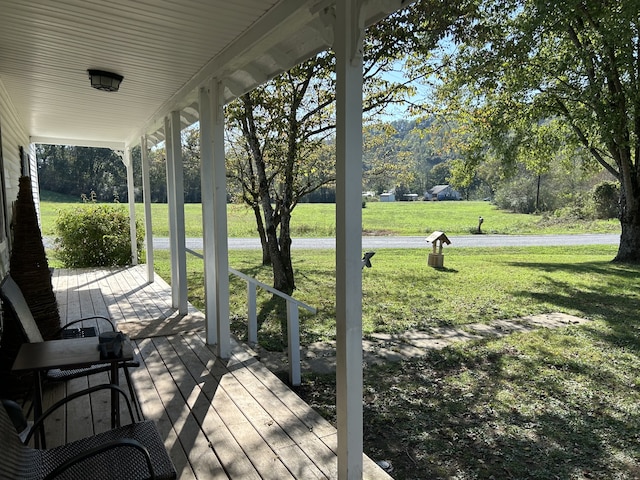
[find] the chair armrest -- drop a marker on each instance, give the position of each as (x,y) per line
(39,422)
(94,317)
(121,443)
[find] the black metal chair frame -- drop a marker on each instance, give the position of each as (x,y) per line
(136,449)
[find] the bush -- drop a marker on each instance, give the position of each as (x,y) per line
(517,195)
(94,235)
(606,198)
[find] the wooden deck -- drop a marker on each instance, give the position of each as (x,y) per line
(219,419)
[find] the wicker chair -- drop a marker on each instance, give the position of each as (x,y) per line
(130,452)
(13,298)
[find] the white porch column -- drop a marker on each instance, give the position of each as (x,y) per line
(214,218)
(132,205)
(208,225)
(208,231)
(175,196)
(348,49)
(146,193)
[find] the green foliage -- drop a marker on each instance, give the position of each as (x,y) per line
(518,195)
(606,197)
(534,83)
(73,170)
(48,196)
(95,235)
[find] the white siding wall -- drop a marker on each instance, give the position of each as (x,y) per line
(13,137)
(35,184)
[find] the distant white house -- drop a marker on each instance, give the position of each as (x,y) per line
(442,192)
(388,197)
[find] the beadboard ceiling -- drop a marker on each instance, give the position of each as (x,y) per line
(165,49)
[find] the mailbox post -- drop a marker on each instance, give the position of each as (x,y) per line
(436,258)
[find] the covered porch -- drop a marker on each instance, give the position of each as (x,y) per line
(180,63)
(219,418)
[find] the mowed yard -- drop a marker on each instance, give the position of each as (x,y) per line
(560,403)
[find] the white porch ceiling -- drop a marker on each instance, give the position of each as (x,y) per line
(165,49)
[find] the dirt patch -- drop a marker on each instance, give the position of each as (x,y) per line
(378,233)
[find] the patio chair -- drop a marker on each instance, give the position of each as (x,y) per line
(13,298)
(130,452)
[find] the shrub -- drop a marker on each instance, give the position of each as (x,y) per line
(517,195)
(606,197)
(95,235)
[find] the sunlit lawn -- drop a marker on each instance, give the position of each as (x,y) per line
(399,218)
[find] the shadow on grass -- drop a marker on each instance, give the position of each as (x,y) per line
(494,412)
(605,302)
(548,404)
(272,324)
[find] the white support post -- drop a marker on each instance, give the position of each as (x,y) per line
(175,191)
(208,225)
(128,161)
(349,30)
(146,193)
(220,220)
(252,312)
(293,343)
(171,210)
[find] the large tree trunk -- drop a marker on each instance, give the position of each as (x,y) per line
(629,248)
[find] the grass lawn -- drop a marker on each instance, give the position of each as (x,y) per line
(559,403)
(401,292)
(399,218)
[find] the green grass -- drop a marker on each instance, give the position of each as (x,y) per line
(399,218)
(561,403)
(401,292)
(550,404)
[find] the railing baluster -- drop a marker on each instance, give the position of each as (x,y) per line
(252,312)
(293,344)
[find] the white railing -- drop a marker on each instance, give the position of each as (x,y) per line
(293,320)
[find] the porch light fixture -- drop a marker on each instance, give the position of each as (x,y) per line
(105,81)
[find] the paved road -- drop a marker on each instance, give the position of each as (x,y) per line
(371,243)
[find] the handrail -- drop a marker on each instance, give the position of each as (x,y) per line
(275,291)
(293,321)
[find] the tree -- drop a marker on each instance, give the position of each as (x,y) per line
(532,76)
(282,129)
(387,163)
(284,125)
(81,170)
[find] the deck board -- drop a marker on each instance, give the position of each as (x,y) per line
(219,418)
